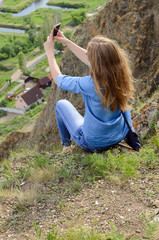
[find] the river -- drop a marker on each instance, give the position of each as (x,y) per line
(11,30)
(31,8)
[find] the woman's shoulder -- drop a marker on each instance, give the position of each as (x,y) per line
(88,84)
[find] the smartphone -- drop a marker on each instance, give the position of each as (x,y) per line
(56,28)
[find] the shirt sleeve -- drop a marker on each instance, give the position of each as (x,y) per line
(82,85)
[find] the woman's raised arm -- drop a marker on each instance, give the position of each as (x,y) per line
(81,53)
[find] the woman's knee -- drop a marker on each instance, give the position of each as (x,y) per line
(63,103)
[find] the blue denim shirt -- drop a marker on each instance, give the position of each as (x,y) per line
(102,127)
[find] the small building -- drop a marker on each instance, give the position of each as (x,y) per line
(32,96)
(30,81)
(44,82)
(10,95)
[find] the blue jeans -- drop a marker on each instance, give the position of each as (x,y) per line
(70,122)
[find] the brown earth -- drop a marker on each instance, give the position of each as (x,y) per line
(8,117)
(125,205)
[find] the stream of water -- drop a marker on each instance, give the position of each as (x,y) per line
(11,30)
(31,8)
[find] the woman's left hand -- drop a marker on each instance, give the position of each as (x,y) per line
(49,44)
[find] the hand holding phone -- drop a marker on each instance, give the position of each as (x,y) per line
(55,29)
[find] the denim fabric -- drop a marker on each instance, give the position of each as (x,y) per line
(70,123)
(101,127)
(68,120)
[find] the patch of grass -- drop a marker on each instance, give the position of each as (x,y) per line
(41,161)
(90,5)
(3,113)
(18,207)
(80,233)
(100,166)
(14,180)
(67,4)
(29,195)
(9,89)
(19,122)
(83,232)
(151,226)
(41,175)
(14,5)
(149,157)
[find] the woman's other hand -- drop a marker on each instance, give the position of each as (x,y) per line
(61,38)
(49,44)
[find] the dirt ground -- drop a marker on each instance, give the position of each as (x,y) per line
(127,206)
(9,117)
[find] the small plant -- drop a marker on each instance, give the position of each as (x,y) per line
(99,166)
(77,186)
(41,161)
(114,235)
(18,208)
(53,234)
(3,113)
(78,16)
(37,230)
(11,178)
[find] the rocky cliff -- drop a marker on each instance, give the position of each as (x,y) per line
(134,25)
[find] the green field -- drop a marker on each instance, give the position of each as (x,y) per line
(89,5)
(15,2)
(43,20)
(6,38)
(14,5)
(38,17)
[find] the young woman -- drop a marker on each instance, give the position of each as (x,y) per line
(105,91)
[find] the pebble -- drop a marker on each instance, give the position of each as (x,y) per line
(156,219)
(156,203)
(112,191)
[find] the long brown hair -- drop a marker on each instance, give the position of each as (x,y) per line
(110,72)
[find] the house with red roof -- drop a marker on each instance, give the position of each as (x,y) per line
(44,82)
(27,99)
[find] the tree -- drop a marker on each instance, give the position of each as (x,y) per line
(22,62)
(78,16)
(32,32)
(40,40)
(3,103)
(8,49)
(27,19)
(32,35)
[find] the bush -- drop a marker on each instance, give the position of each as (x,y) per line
(3,113)
(19,46)
(58,45)
(3,103)
(33,106)
(3,68)
(8,49)
(68,34)
(78,17)
(3,56)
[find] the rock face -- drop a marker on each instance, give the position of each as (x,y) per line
(12,141)
(134,25)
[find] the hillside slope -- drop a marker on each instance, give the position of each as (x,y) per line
(134,24)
